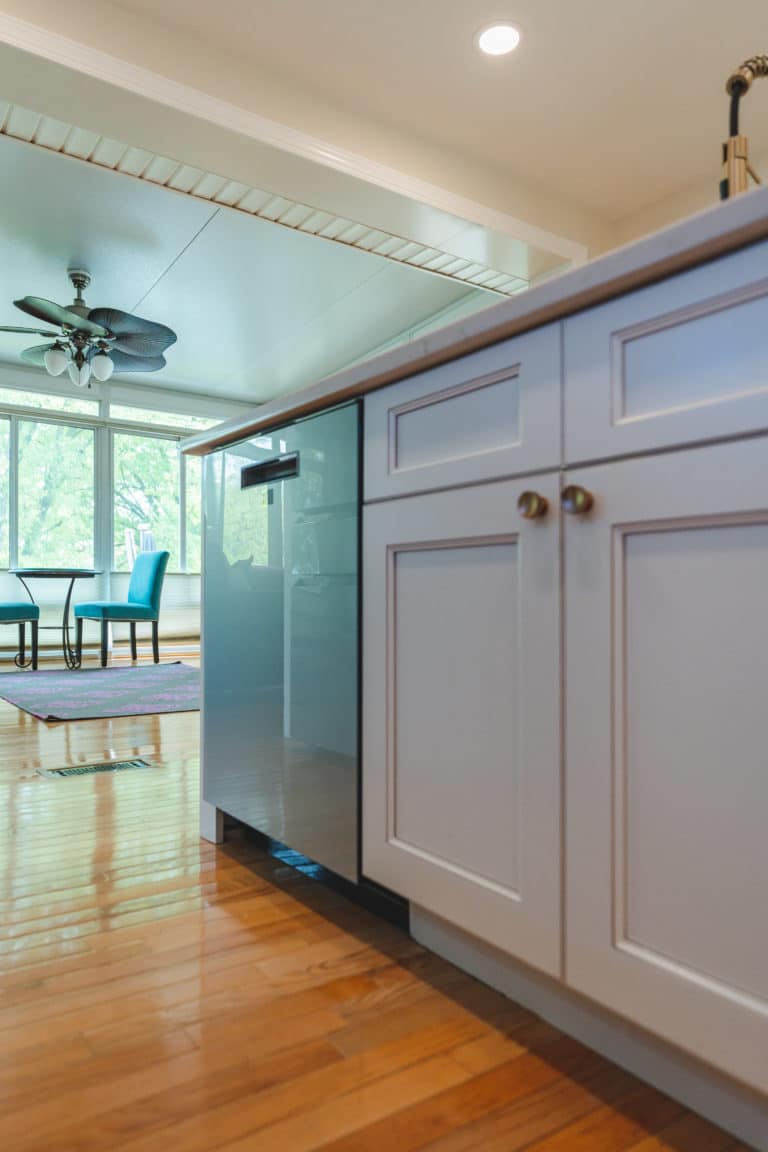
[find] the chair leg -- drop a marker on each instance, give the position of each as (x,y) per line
(22,641)
(155,643)
(79,638)
(104,636)
(133,639)
(34,645)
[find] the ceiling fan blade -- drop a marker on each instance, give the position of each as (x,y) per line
(124,363)
(29,331)
(55,314)
(36,355)
(140,344)
(123,324)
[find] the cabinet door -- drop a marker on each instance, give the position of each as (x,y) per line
(461,745)
(680,361)
(491,414)
(666,605)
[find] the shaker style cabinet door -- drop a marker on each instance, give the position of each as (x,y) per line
(488,415)
(461,708)
(681,361)
(666,722)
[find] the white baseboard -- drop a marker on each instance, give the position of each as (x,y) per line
(722,1101)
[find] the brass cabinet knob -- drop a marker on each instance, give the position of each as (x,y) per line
(531,505)
(576,500)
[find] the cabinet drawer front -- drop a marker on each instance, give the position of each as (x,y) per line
(681,361)
(461,755)
(666,762)
(493,413)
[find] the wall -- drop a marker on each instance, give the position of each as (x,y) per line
(689,200)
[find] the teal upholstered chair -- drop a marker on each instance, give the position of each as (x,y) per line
(22,613)
(143,603)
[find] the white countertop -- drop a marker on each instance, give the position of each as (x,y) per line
(705,236)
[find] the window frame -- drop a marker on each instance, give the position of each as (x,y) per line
(104,428)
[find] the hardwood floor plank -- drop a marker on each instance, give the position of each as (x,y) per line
(535,1058)
(250,1113)
(317,1127)
(119,1087)
(688,1133)
(412,1127)
(156,1117)
(517,1124)
(615,1127)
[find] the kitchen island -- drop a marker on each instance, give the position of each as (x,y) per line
(565,649)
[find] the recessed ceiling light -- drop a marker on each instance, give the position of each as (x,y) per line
(498,40)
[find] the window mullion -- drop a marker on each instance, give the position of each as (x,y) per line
(183,512)
(13,492)
(103,506)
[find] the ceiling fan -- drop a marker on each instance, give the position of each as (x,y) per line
(92,341)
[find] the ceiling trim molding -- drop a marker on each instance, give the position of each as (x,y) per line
(36,129)
(141,81)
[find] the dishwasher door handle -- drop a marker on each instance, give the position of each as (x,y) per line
(269,471)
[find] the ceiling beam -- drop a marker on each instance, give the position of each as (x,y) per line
(302,167)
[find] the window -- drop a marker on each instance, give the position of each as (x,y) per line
(20,398)
(146,498)
(132,415)
(56,495)
(77,489)
(193,510)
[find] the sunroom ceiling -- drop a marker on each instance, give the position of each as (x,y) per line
(260,309)
(83,144)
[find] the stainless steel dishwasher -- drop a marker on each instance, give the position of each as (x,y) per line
(280,635)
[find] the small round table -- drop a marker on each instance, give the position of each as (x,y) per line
(71,574)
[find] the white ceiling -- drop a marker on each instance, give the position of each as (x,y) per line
(610,104)
(259,309)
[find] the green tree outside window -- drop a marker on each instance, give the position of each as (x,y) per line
(146,497)
(56,498)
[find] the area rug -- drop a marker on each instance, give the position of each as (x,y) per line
(93,693)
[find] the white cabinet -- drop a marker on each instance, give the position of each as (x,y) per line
(661,797)
(666,721)
(490,414)
(681,361)
(461,711)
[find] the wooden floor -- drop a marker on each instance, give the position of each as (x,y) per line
(160,995)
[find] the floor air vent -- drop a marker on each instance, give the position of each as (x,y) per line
(88,769)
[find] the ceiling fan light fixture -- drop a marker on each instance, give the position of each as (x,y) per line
(56,360)
(92,342)
(79,376)
(102,366)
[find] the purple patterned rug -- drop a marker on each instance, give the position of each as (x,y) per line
(92,693)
